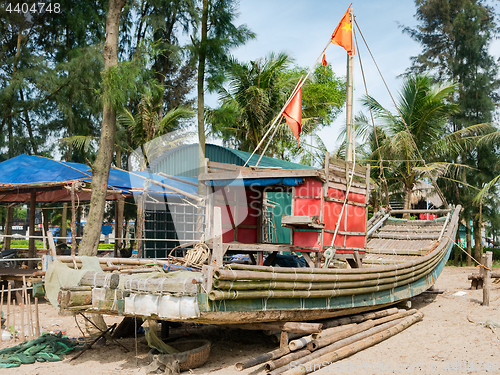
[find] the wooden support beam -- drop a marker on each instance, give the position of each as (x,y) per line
(218,251)
(487,277)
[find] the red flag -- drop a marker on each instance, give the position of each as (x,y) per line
(323,61)
(342,35)
(293,114)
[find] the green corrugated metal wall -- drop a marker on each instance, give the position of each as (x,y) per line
(183,161)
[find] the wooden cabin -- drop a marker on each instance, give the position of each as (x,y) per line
(317,202)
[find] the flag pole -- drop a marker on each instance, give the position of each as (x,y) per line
(274,122)
(268,143)
(298,87)
(350,100)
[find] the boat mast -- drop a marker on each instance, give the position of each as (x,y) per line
(349,100)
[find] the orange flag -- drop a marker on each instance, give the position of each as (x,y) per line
(293,114)
(323,61)
(342,35)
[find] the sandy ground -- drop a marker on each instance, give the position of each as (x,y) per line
(449,340)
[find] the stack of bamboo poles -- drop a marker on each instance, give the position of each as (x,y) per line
(339,339)
(29,324)
(81,297)
(240,281)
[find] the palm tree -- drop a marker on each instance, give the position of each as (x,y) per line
(254,96)
(424,109)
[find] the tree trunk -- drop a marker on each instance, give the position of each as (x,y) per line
(457,250)
(120,204)
(476,224)
(468,239)
(100,171)
(407,201)
(201,94)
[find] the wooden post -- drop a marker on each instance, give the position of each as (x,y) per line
(217,256)
(52,245)
(28,311)
(1,309)
(73,220)
(9,295)
(487,277)
(37,316)
(283,339)
(23,337)
(480,282)
(64,215)
(32,248)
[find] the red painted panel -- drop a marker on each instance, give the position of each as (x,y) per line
(306,239)
(355,241)
(335,193)
(339,240)
(332,212)
(310,188)
(358,198)
(307,207)
(227,236)
(355,218)
(247,235)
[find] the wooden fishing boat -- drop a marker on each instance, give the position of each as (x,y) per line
(352,264)
(391,259)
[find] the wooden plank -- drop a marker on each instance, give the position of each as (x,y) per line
(308,260)
(217,252)
(52,245)
(253,247)
(342,187)
(208,277)
(343,165)
(407,236)
(261,174)
(423,211)
(348,202)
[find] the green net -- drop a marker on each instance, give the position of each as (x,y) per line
(46,348)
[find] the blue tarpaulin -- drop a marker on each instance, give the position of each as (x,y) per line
(25,173)
(286,181)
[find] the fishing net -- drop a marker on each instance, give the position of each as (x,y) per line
(46,348)
(150,330)
(58,274)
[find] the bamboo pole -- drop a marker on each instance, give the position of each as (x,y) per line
(262,358)
(327,340)
(341,271)
(358,318)
(161,184)
(354,347)
(9,296)
(37,316)
(22,316)
(303,341)
(100,279)
(28,309)
(297,327)
(216,295)
(285,360)
(336,345)
(487,278)
(1,309)
(73,220)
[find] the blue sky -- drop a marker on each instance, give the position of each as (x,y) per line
(303,28)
